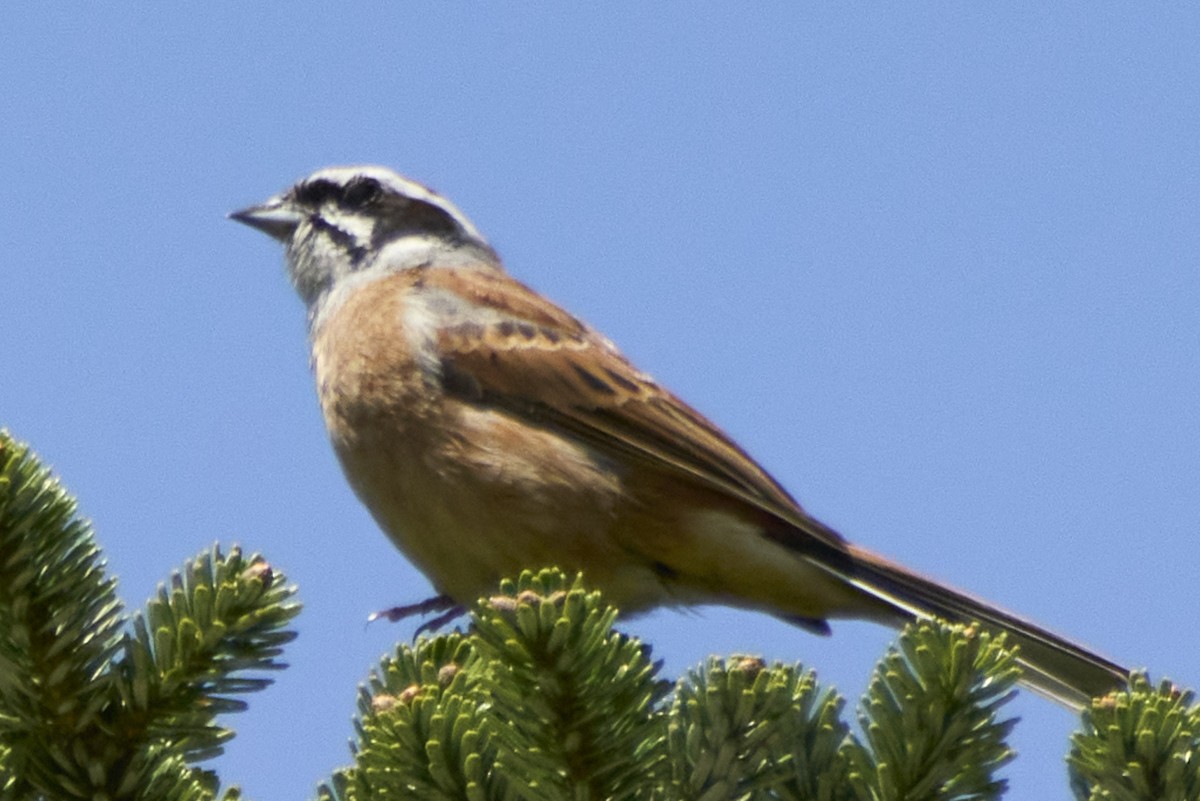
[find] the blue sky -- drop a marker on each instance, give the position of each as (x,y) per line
(936,267)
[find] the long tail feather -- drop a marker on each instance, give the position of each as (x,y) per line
(1054,666)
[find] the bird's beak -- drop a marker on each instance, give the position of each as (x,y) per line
(277,218)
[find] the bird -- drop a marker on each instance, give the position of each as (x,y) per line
(489,431)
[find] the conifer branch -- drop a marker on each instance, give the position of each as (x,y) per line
(930,717)
(90,708)
(1140,745)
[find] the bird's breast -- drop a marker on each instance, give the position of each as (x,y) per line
(374,360)
(468,492)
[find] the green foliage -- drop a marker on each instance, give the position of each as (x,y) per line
(742,729)
(95,705)
(540,699)
(930,717)
(543,700)
(1143,745)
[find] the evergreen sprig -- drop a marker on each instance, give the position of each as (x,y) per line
(93,705)
(742,729)
(219,618)
(1138,745)
(543,700)
(420,729)
(568,690)
(930,717)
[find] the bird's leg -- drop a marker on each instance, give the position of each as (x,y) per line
(444,604)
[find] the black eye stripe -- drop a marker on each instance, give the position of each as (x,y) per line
(314,193)
(361,192)
(357,193)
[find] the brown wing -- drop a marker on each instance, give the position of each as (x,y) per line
(532,358)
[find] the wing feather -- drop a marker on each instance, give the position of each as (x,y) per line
(535,360)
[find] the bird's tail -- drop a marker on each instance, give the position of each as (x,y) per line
(1054,666)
